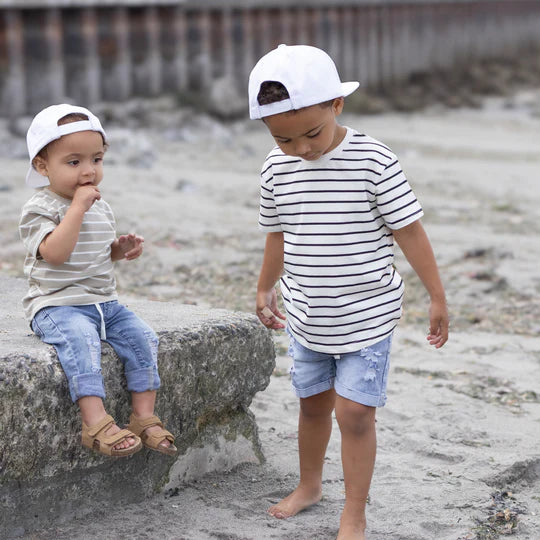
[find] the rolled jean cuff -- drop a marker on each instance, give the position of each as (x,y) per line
(141,380)
(360,397)
(314,389)
(86,384)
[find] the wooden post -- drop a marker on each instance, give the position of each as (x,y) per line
(264,28)
(404,61)
(303,23)
(92,72)
(317,21)
(385,47)
(122,68)
(181,79)
(285,24)
(205,59)
(248,44)
(333,35)
(153,61)
(55,69)
(15,90)
(348,43)
(374,63)
(228,44)
(361,46)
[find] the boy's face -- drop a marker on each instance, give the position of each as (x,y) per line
(73,161)
(308,133)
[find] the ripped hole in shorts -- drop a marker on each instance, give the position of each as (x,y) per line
(373,357)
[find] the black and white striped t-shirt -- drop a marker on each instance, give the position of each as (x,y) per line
(87,277)
(340,288)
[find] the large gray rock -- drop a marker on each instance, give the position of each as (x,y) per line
(211,364)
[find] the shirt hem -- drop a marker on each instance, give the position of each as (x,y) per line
(57,302)
(339,349)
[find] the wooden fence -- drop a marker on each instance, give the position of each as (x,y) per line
(113,50)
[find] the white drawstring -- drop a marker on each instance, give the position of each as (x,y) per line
(103,332)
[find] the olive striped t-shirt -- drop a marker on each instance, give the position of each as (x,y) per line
(87,277)
(339,286)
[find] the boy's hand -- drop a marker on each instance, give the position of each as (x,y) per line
(267,310)
(130,246)
(438,324)
(85,196)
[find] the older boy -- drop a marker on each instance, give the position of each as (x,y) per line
(332,202)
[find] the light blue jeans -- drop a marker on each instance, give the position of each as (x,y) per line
(76,333)
(360,376)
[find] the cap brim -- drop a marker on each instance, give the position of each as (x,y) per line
(35,180)
(349,87)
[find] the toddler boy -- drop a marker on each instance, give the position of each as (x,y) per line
(69,233)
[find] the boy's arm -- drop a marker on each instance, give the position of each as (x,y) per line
(57,246)
(127,246)
(271,270)
(413,241)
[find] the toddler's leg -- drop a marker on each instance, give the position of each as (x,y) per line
(358,449)
(93,411)
(137,345)
(74,333)
(143,404)
(314,429)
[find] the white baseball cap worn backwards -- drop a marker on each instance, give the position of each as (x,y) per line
(44,129)
(308,73)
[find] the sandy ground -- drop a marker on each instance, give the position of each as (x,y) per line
(458,440)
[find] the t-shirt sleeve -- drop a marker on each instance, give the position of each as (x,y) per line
(35,224)
(109,214)
(268,216)
(395,198)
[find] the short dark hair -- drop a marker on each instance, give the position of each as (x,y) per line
(72,117)
(274,91)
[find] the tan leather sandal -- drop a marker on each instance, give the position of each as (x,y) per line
(151,440)
(95,437)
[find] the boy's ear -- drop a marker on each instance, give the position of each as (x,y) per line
(337,105)
(40,165)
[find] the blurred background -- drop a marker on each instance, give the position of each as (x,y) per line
(404,51)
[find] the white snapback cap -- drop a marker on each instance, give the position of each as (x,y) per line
(308,73)
(45,129)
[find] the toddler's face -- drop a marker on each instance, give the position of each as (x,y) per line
(307,133)
(72,161)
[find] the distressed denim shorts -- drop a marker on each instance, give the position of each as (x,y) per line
(76,333)
(360,376)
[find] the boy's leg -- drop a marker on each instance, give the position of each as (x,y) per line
(314,429)
(361,387)
(358,449)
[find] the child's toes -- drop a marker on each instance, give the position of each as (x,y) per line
(122,445)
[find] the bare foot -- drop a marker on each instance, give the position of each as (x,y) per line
(352,525)
(300,499)
(130,441)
